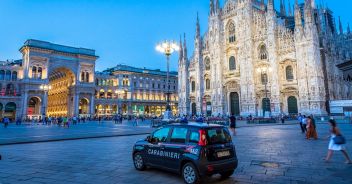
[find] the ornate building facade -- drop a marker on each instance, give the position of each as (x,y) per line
(136,91)
(254,59)
(76,89)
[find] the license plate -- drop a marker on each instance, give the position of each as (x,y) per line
(223,153)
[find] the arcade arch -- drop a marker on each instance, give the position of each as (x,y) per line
(60,100)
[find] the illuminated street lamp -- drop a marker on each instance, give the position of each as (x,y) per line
(264,70)
(45,88)
(167,48)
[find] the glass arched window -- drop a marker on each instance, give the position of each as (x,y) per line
(263,54)
(193,86)
(2,74)
(232,63)
(231,33)
(289,73)
(207,84)
(10,89)
(40,71)
(207,64)
(14,75)
(82,77)
(8,75)
(264,78)
(34,72)
(87,77)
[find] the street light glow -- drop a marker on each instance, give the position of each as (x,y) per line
(167,47)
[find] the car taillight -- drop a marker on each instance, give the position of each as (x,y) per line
(202,138)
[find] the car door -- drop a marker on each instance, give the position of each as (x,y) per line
(156,146)
(175,148)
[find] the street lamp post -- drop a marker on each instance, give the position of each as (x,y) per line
(167,48)
(263,70)
(45,88)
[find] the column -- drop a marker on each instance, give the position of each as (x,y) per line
(75,104)
(92,105)
(25,104)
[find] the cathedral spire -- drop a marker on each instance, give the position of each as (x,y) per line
(197,27)
(184,46)
(217,6)
(181,49)
(298,15)
(308,12)
(282,8)
(340,26)
(270,5)
(211,7)
(289,8)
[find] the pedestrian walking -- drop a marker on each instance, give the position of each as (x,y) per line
(74,120)
(311,129)
(116,119)
(233,124)
(6,122)
(99,119)
(334,145)
(135,121)
(304,123)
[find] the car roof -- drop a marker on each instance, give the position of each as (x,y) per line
(197,125)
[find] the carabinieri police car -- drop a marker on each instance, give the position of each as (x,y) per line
(193,150)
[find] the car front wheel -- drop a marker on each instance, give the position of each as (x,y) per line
(190,174)
(138,162)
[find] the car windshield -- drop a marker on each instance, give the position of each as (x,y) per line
(218,136)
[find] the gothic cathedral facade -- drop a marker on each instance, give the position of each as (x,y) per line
(254,60)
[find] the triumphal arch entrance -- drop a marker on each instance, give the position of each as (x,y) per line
(69,71)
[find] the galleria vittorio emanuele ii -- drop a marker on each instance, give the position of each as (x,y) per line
(255,60)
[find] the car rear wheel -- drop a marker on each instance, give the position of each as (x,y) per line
(138,162)
(227,174)
(190,174)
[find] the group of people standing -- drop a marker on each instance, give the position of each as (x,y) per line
(308,126)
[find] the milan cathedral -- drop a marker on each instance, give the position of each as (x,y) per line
(255,60)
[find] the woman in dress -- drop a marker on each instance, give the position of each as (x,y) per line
(311,131)
(336,147)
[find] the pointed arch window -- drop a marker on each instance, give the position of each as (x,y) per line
(207,84)
(263,54)
(264,78)
(232,63)
(289,73)
(231,33)
(193,86)
(207,64)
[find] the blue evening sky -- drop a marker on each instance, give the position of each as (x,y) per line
(121,31)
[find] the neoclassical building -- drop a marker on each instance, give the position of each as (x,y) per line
(136,91)
(76,89)
(255,60)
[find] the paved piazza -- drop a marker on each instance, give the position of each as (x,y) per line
(288,158)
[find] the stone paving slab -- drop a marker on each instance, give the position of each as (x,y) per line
(32,133)
(267,154)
